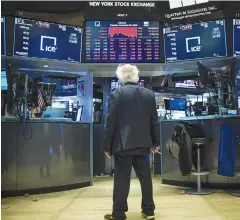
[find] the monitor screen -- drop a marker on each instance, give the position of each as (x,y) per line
(187,84)
(115,84)
(122,41)
(47,40)
(236,37)
(4,85)
(3,38)
(64,87)
(195,41)
(167,104)
(178,104)
(57,104)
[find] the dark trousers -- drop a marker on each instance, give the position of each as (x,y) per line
(122,176)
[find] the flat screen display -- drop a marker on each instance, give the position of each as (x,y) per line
(236,37)
(63,87)
(47,40)
(115,84)
(122,41)
(4,85)
(3,38)
(187,84)
(195,41)
(178,104)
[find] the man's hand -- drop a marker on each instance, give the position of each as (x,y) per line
(108,154)
(156,149)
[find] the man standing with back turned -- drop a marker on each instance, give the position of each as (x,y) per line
(131,131)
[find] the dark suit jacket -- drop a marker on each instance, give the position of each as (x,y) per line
(132,120)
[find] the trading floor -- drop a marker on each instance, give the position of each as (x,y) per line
(93,202)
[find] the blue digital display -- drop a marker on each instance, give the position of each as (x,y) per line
(4,85)
(122,41)
(195,41)
(47,40)
(178,104)
(236,37)
(3,38)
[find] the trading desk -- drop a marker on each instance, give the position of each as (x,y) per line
(44,155)
(170,168)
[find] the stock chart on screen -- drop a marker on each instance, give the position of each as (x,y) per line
(40,39)
(236,37)
(122,41)
(195,41)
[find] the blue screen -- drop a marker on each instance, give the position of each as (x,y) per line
(236,37)
(4,85)
(122,41)
(195,41)
(178,104)
(46,40)
(3,39)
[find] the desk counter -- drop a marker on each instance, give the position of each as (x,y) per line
(169,168)
(44,156)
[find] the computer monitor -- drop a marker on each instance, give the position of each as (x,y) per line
(167,104)
(178,104)
(186,84)
(205,76)
(4,84)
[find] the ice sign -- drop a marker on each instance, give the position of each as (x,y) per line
(45,40)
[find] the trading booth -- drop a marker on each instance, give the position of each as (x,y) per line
(58,71)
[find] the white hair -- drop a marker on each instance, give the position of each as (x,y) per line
(127,73)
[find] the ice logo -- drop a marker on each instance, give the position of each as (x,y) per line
(196,48)
(48,48)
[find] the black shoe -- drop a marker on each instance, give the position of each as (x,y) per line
(148,217)
(110,217)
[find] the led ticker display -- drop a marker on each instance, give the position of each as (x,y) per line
(122,41)
(195,41)
(236,37)
(3,38)
(47,40)
(188,84)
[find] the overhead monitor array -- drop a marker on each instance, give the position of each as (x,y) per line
(47,40)
(120,41)
(195,41)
